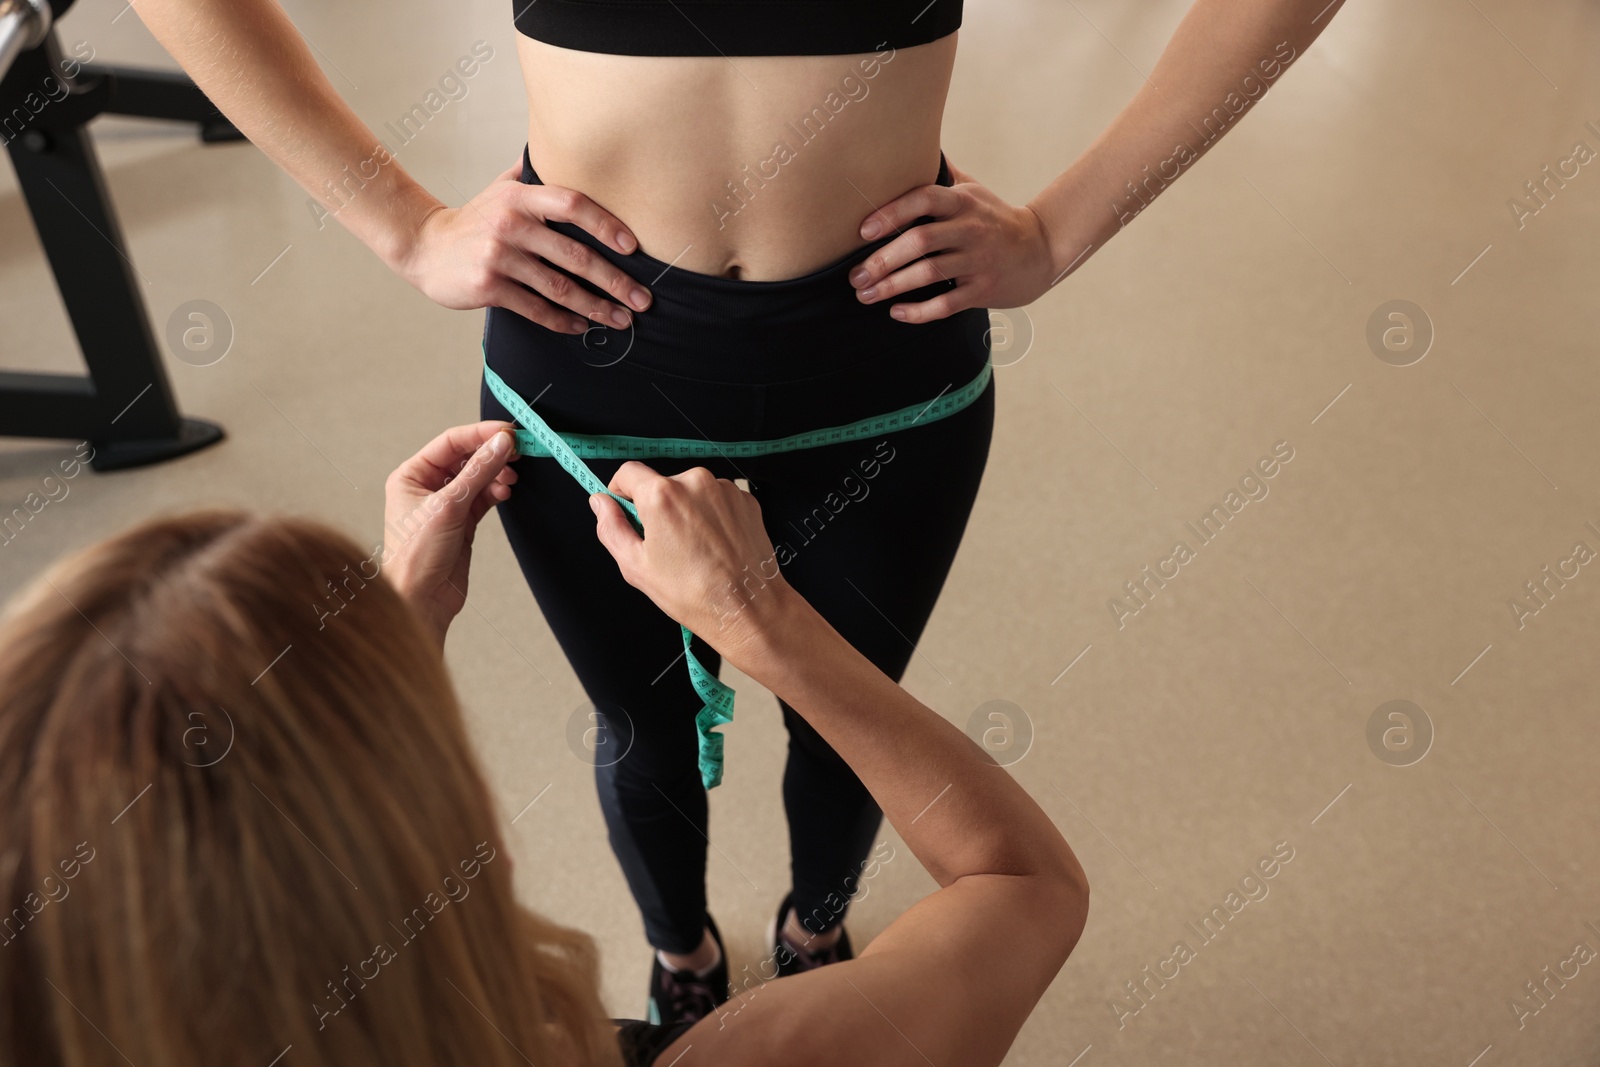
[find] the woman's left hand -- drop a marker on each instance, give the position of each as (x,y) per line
(998,255)
(431,507)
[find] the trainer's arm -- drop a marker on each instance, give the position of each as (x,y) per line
(959,972)
(432,504)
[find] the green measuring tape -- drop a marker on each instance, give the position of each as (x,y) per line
(538,440)
(620,446)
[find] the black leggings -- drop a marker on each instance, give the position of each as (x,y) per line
(865,531)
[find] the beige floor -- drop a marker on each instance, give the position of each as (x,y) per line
(1228,716)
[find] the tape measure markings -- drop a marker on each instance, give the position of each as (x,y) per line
(622,446)
(538,440)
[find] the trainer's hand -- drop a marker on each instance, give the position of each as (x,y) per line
(498,247)
(998,255)
(431,507)
(705,558)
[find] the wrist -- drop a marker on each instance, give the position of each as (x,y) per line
(763,629)
(398,241)
(1073,225)
(434,619)
(437,626)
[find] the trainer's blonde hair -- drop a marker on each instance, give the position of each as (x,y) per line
(232,822)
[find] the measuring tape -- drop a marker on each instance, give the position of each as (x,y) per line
(538,440)
(620,446)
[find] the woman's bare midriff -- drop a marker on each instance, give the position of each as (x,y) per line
(757,167)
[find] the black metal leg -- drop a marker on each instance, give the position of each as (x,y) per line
(159,94)
(125,407)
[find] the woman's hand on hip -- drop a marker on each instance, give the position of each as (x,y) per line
(431,507)
(705,558)
(493,250)
(998,255)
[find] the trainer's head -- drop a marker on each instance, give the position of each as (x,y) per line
(239,813)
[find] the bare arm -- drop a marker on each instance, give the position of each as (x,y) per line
(256,68)
(957,975)
(254,65)
(1223,57)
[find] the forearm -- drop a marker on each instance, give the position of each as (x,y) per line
(1223,57)
(959,812)
(257,69)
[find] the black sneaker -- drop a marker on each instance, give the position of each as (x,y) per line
(685,997)
(797,959)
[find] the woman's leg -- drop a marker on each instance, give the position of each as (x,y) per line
(866,533)
(731,360)
(627,654)
(618,642)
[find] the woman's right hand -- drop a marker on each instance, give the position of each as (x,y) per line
(705,558)
(493,250)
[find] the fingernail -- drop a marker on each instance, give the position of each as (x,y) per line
(872,228)
(869,295)
(627,242)
(619,317)
(898,313)
(639,299)
(594,503)
(500,443)
(579,326)
(859,276)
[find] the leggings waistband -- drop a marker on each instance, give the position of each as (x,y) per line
(757,332)
(536,441)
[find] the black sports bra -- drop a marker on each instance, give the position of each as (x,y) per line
(736,27)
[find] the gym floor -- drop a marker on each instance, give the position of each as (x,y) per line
(1429,859)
